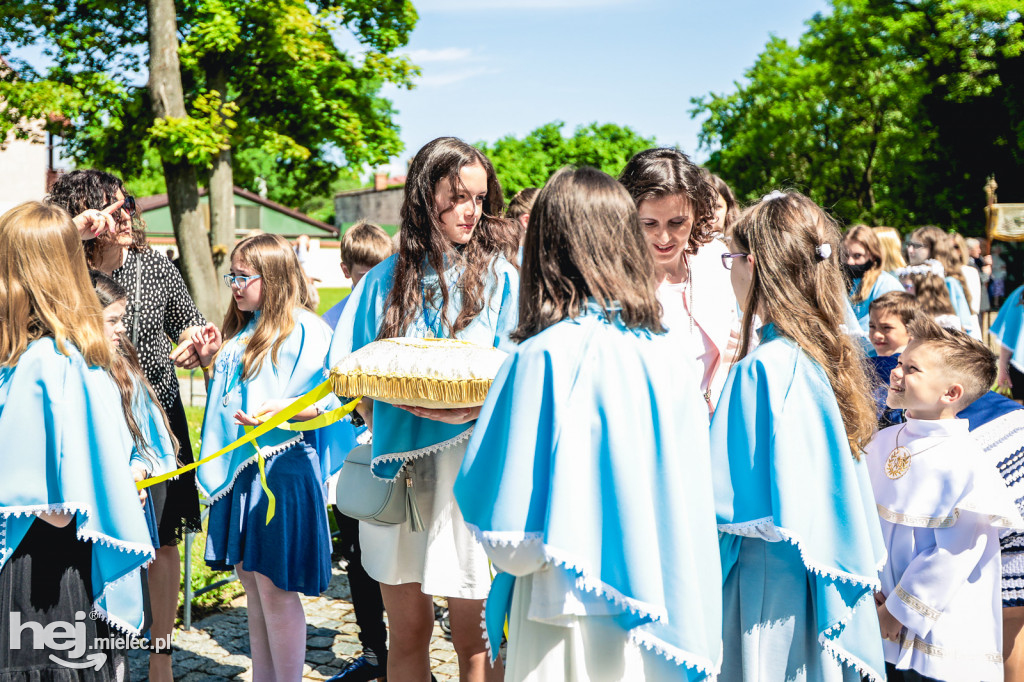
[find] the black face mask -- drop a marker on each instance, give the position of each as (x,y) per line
(853,272)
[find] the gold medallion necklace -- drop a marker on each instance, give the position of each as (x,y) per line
(897,464)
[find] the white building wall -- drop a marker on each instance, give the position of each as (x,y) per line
(22,171)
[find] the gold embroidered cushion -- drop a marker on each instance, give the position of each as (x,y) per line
(439,373)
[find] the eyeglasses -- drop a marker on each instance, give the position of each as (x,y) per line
(240,281)
(915,245)
(727,259)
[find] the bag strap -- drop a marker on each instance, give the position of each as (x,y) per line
(137,303)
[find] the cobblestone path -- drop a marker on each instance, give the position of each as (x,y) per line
(217,647)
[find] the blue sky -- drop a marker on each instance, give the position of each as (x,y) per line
(497,67)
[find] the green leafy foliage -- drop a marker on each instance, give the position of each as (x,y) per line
(264,76)
(888,111)
(530,161)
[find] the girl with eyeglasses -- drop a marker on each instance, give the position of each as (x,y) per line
(799,534)
(268,519)
(867,276)
(159,309)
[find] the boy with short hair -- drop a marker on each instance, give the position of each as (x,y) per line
(363,246)
(941,503)
(889,316)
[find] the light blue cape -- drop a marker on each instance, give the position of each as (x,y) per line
(784,472)
(398,435)
(299,368)
(1008,327)
(66,448)
(883,285)
(961,307)
(594,442)
(160,457)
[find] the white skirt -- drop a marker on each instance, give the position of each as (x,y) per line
(585,649)
(445,558)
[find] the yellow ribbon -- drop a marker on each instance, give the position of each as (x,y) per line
(261,461)
(281,417)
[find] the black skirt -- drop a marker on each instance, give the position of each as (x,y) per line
(177,501)
(48,581)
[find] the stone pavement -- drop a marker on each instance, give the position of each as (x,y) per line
(217,647)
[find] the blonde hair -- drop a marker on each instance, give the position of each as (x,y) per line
(804,296)
(365,244)
(284,289)
(966,361)
(891,245)
(45,288)
(865,236)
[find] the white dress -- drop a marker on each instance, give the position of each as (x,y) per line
(445,558)
(558,632)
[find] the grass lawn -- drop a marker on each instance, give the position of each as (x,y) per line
(329,296)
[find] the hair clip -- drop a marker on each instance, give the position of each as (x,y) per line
(774,194)
(929,267)
(823,250)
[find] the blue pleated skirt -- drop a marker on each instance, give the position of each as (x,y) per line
(294,549)
(769,622)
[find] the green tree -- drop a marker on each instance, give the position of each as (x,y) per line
(530,161)
(255,76)
(867,113)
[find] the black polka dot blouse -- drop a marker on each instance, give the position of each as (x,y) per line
(167,310)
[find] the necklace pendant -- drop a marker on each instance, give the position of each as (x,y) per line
(429,334)
(897,464)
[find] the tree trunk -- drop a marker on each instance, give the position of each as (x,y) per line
(182,186)
(222,197)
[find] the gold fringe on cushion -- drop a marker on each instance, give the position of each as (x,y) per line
(414,391)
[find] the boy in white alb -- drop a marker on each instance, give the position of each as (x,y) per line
(942,503)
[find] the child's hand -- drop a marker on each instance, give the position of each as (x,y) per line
(450,415)
(890,627)
(269,408)
(206,341)
(140,474)
(246,419)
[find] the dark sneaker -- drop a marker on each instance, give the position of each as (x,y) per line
(360,670)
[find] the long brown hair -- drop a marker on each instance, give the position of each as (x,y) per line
(127,372)
(44,286)
(931,293)
(803,295)
(423,243)
(585,240)
(284,289)
(81,189)
(940,248)
(866,237)
(662,172)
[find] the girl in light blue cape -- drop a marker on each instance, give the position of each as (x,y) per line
(800,538)
(587,477)
(451,278)
(269,519)
(932,243)
(863,254)
(1008,327)
(67,499)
